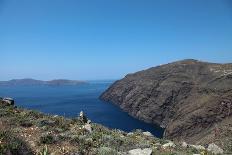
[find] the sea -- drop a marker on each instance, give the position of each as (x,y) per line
(68,101)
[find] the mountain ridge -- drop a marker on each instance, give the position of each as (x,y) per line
(188,98)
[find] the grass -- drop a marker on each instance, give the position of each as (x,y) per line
(10,144)
(31,132)
(47,139)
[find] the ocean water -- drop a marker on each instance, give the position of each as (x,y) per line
(70,100)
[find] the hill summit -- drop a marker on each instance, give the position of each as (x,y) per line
(191,99)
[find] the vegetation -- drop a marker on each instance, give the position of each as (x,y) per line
(30,132)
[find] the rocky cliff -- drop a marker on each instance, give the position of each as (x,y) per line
(191,99)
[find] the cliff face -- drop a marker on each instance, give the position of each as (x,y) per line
(188,98)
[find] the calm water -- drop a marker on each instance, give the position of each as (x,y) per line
(70,100)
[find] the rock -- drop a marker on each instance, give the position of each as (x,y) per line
(148,134)
(122,136)
(158,144)
(184,145)
(89,140)
(88,128)
(81,114)
(146,151)
(169,144)
(82,137)
(82,117)
(47,123)
(198,147)
(167,95)
(8,101)
(214,149)
(130,133)
(32,143)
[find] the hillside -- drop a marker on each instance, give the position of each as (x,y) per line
(27,132)
(56,82)
(191,99)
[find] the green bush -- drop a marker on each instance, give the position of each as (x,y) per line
(26,123)
(47,139)
(13,145)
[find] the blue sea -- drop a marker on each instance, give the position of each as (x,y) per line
(68,101)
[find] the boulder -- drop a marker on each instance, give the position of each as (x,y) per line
(130,133)
(81,114)
(214,149)
(82,117)
(169,144)
(198,147)
(146,151)
(8,101)
(148,134)
(184,145)
(88,127)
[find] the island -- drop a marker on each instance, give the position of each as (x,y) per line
(29,81)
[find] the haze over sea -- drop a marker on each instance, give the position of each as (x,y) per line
(70,100)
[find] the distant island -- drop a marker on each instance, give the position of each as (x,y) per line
(29,81)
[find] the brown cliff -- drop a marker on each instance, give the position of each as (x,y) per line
(190,99)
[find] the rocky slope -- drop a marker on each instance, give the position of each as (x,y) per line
(27,132)
(192,100)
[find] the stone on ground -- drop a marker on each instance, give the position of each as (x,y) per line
(214,149)
(169,144)
(148,134)
(146,151)
(198,147)
(88,127)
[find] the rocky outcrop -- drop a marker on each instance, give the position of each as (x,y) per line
(7,101)
(214,149)
(188,98)
(146,151)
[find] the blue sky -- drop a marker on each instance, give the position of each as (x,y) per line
(106,39)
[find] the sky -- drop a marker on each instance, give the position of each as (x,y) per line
(107,39)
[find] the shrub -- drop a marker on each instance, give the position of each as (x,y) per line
(12,145)
(44,151)
(62,123)
(26,123)
(85,144)
(106,151)
(47,139)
